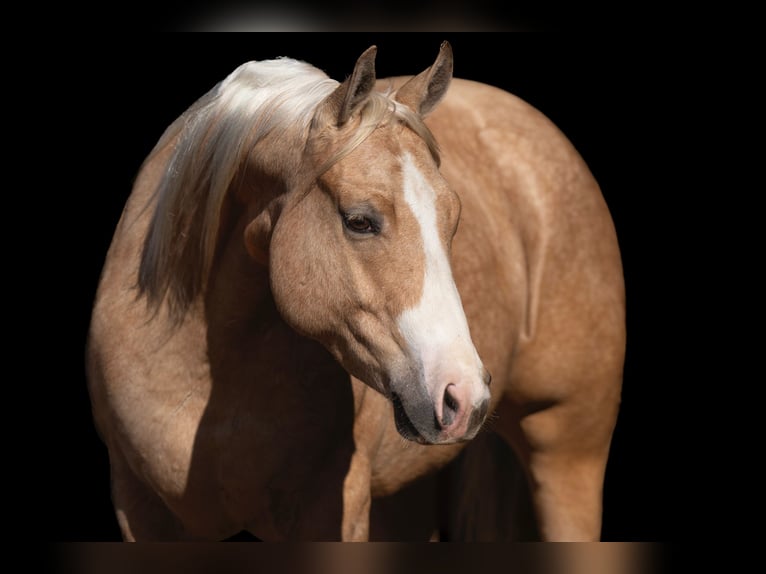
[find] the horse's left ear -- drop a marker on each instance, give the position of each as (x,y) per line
(424,91)
(353,92)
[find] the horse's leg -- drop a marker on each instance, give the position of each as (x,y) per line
(141,513)
(485,495)
(357,489)
(370,410)
(356,500)
(563,447)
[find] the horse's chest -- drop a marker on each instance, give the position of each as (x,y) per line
(268,455)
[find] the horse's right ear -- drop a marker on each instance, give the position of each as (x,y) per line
(353,92)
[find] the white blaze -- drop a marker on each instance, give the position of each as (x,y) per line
(436,328)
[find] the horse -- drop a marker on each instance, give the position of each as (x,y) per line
(322,293)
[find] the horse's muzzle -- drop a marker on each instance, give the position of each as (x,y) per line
(457,418)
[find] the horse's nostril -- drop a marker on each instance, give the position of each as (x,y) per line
(487,377)
(450,407)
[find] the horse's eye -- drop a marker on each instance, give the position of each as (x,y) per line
(359,223)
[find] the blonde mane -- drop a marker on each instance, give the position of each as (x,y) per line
(213,139)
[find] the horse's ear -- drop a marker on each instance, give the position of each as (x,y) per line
(353,92)
(258,237)
(424,91)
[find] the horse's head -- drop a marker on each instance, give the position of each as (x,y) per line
(359,256)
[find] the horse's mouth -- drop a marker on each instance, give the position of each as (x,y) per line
(404,424)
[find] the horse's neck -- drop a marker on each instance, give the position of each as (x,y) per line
(238,288)
(239,309)
(248,341)
(269,385)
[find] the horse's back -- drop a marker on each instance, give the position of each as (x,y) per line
(138,362)
(536,254)
(123,328)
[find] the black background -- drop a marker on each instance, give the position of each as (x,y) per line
(115,96)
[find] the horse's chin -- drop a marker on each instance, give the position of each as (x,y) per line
(404,425)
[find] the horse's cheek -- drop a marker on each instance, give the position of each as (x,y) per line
(301,277)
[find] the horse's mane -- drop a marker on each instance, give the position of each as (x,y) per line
(213,139)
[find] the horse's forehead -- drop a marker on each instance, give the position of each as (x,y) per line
(380,157)
(377,155)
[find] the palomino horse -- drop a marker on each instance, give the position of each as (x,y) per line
(307,273)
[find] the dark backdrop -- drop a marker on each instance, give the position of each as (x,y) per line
(118,94)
